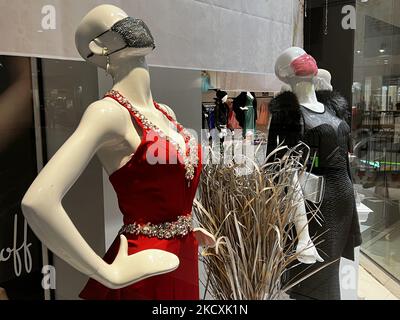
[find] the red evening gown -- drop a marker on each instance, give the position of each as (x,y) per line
(155,193)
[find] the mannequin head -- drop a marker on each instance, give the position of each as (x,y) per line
(295,63)
(222,96)
(298,69)
(323,80)
(102,36)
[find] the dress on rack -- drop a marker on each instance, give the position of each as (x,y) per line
(208,116)
(243,117)
(157,194)
(328,136)
(233,123)
(221,115)
(262,120)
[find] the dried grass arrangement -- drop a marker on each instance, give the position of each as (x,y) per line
(251,216)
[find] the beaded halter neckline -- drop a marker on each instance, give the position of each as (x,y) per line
(190,157)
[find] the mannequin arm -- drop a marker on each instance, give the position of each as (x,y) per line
(308,254)
(101,124)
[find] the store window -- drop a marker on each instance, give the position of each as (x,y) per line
(68,88)
(33,126)
(20,251)
(376,129)
(39,114)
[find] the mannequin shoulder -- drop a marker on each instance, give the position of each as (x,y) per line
(168,110)
(105,115)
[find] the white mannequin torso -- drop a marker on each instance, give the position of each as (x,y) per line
(135,86)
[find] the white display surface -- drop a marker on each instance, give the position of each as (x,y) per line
(223,35)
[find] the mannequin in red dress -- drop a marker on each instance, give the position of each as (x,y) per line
(128,131)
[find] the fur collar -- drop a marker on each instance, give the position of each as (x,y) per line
(287,105)
(286,120)
(335,102)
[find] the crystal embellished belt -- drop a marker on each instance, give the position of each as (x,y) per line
(167,230)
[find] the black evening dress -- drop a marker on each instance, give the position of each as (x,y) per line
(328,136)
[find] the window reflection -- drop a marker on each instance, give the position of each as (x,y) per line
(376,129)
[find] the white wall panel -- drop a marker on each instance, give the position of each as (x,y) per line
(223,35)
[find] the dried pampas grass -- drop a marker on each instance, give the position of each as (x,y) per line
(251,215)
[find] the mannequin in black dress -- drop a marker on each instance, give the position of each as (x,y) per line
(322,125)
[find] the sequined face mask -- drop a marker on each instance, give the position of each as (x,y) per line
(134,32)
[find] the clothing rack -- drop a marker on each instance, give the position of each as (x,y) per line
(264,97)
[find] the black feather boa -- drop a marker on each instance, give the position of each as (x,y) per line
(286,122)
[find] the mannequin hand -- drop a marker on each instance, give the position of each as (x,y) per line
(223,133)
(204,238)
(129,269)
(308,253)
